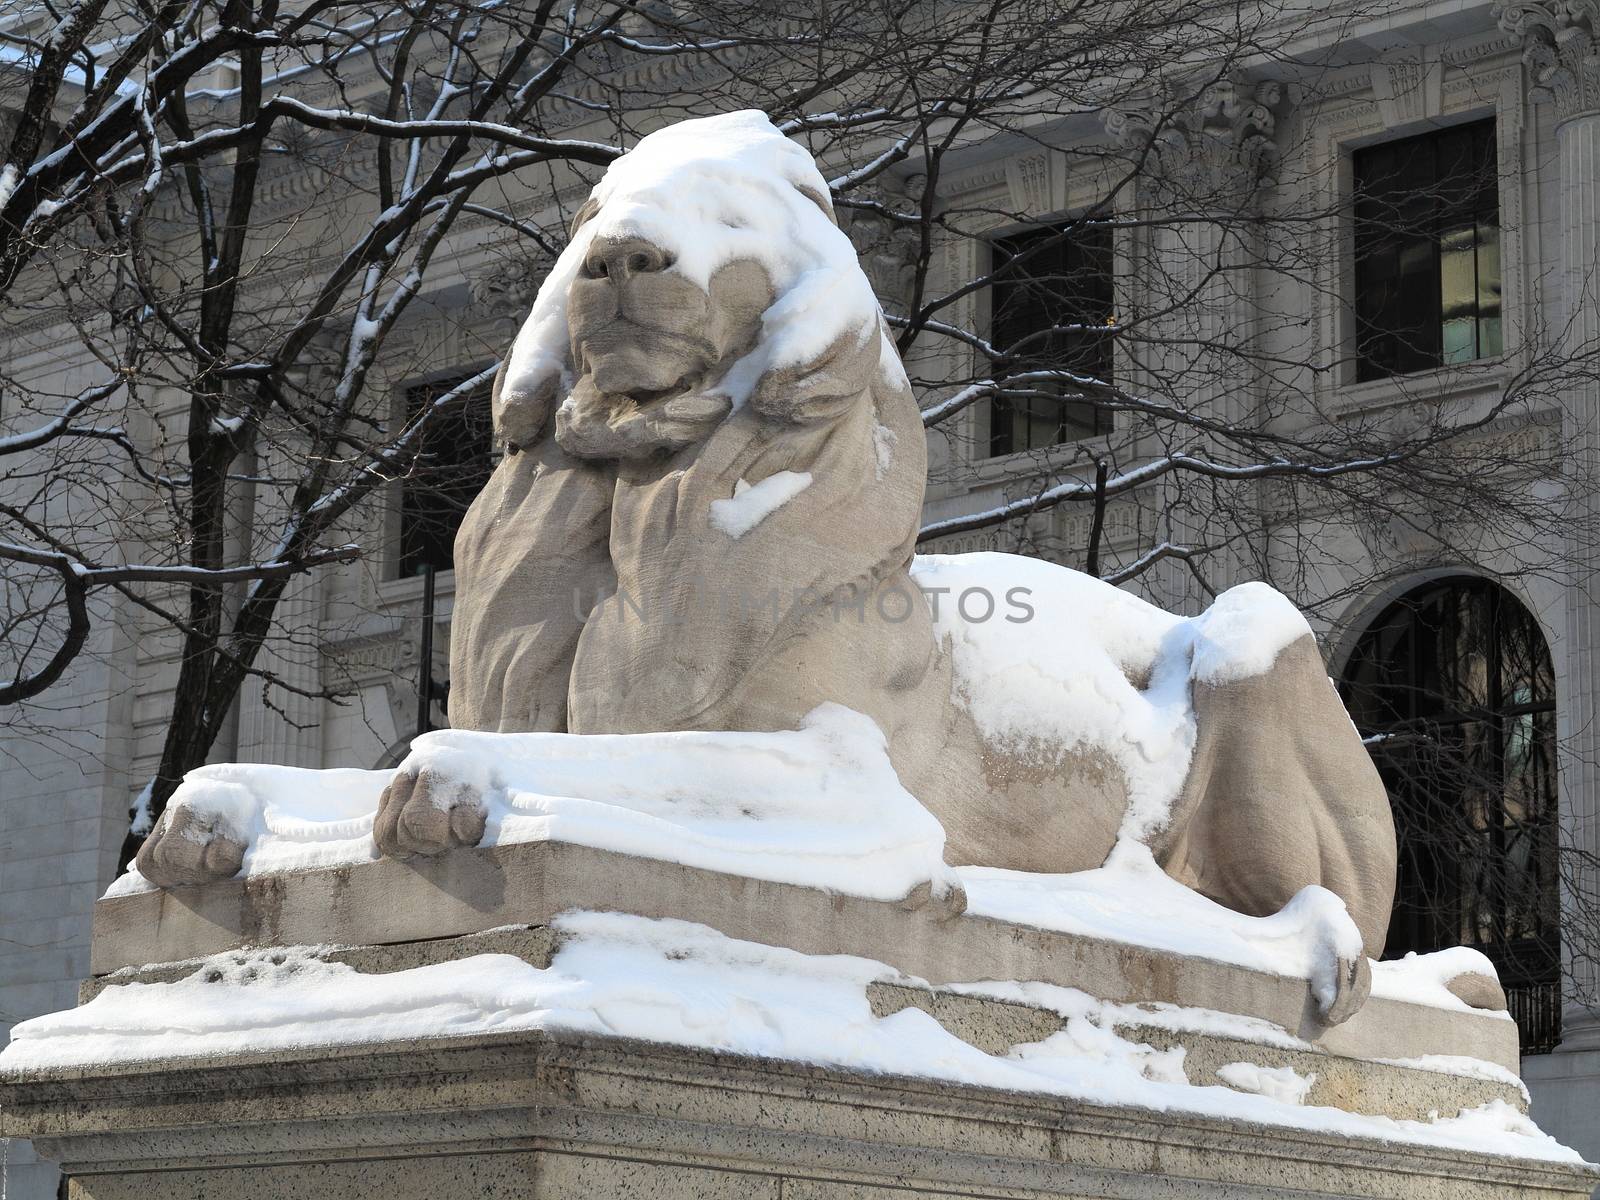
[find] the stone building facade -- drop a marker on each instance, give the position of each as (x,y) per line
(1527,75)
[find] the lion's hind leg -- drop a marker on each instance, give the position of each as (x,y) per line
(1282,795)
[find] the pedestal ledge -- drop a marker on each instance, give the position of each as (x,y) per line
(470,891)
(558,1117)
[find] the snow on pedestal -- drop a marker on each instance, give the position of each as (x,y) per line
(681,983)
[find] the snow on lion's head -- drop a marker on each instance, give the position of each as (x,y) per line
(704,273)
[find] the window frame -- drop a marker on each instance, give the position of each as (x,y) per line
(1367,236)
(1530,965)
(1350,116)
(1105,423)
(394,566)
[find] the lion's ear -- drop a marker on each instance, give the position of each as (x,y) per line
(821,200)
(583,216)
(824,388)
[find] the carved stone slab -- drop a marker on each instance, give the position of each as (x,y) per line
(470,891)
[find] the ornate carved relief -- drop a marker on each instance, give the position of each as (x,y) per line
(504,288)
(1215,147)
(886,248)
(1558,50)
(1409,88)
(1037,182)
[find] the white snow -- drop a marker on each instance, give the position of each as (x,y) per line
(1242,633)
(139,821)
(883,440)
(1098,669)
(1282,1084)
(1132,900)
(1421,978)
(819,806)
(752,503)
(684,984)
(710,192)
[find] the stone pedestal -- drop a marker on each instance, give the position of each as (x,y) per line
(550,1117)
(547,1114)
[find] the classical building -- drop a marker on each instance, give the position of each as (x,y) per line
(1460,142)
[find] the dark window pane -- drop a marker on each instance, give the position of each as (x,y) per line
(1427,252)
(455,462)
(1049,285)
(1453,687)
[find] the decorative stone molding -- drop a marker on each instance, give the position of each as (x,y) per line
(1409,88)
(1559,51)
(1217,146)
(504,288)
(887,249)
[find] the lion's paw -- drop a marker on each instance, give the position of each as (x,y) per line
(188,847)
(944,905)
(1352,984)
(1482,992)
(427,813)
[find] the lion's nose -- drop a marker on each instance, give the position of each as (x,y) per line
(617,258)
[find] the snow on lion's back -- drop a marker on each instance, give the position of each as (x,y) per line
(1065,662)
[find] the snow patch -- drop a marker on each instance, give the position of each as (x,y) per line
(1422,978)
(883,440)
(1282,1084)
(1132,900)
(1243,633)
(752,503)
(683,984)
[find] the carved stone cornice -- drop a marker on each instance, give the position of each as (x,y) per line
(1215,147)
(1559,51)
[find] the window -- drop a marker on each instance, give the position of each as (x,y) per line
(455,461)
(1427,252)
(1454,688)
(1046,282)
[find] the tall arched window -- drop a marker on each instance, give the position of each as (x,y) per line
(1453,689)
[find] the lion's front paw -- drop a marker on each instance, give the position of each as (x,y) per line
(427,813)
(188,847)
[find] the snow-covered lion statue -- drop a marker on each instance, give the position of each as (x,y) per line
(705,519)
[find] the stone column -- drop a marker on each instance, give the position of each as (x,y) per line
(276,724)
(1559,55)
(1209,155)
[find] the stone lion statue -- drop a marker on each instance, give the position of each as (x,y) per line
(711,444)
(705,519)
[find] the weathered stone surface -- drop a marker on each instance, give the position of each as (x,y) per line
(555,1117)
(473,890)
(1383,1089)
(533,945)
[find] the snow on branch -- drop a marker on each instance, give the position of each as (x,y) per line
(61,425)
(1076,489)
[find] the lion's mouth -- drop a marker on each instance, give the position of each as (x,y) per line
(646,397)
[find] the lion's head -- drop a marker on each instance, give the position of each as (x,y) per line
(705,272)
